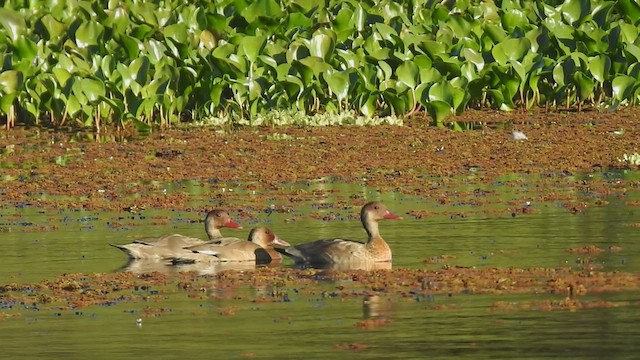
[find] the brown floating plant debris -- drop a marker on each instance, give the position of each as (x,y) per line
(73,291)
(420,160)
(589,249)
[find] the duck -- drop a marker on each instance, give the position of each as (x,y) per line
(337,252)
(169,245)
(257,249)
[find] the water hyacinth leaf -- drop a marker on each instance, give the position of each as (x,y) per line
(442,91)
(177,32)
(511,49)
(368,104)
(408,73)
(338,82)
(386,32)
(61,75)
(622,87)
(342,23)
(10,82)
(460,100)
(156,50)
(265,8)
(25,49)
(359,17)
(53,27)
(630,8)
(634,50)
(322,46)
(13,22)
(514,18)
(119,20)
(292,86)
(474,57)
(584,85)
(495,32)
(89,34)
(439,111)
(433,48)
(252,46)
(386,69)
(139,69)
(317,65)
(573,11)
(563,71)
(629,33)
(131,45)
(93,89)
(599,67)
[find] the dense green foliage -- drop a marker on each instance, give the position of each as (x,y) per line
(165,61)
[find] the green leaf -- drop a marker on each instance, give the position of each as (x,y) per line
(575,10)
(584,84)
(439,111)
(89,34)
(474,57)
(13,22)
(322,46)
(177,32)
(511,49)
(622,87)
(338,82)
(316,64)
(630,9)
(259,8)
(52,27)
(25,49)
(599,66)
(513,19)
(443,92)
(139,69)
(10,82)
(252,46)
(408,73)
(131,45)
(6,102)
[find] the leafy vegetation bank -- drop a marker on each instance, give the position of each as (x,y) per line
(157,63)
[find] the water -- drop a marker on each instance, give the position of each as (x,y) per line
(40,244)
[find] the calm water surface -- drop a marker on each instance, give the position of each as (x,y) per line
(37,244)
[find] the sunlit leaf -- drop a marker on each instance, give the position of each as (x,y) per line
(13,22)
(338,82)
(89,33)
(599,66)
(252,46)
(439,111)
(622,87)
(408,73)
(10,81)
(575,10)
(322,46)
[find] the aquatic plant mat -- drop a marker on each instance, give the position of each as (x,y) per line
(556,289)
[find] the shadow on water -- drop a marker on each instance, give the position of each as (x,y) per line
(331,318)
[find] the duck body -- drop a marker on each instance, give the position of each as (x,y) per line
(258,249)
(341,251)
(166,246)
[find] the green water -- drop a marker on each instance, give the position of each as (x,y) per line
(37,244)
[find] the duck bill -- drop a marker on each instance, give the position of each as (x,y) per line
(278,241)
(392,216)
(232,224)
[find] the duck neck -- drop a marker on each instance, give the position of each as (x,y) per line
(371,226)
(212,232)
